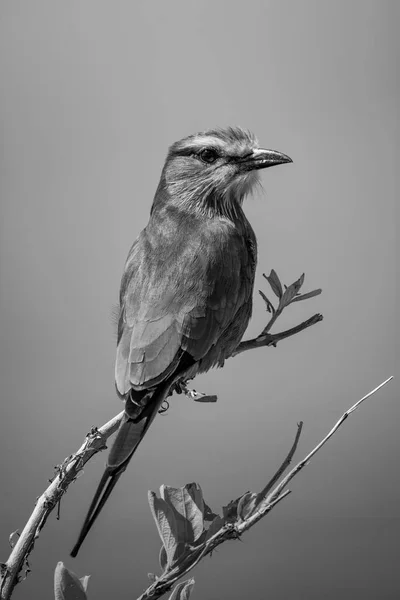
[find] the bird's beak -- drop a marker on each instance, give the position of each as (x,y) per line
(261,159)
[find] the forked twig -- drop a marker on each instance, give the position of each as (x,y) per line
(271,339)
(256,505)
(264,492)
(278,490)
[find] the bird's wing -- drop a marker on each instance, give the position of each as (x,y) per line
(178,297)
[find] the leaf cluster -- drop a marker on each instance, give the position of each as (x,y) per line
(286,294)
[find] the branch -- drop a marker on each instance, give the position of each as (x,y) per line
(278,490)
(287,297)
(67,473)
(263,494)
(271,339)
(95,440)
(239,516)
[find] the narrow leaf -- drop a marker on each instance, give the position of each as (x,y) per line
(215,526)
(13,538)
(205,398)
(163,558)
(291,291)
(209,514)
(230,511)
(275,283)
(307,295)
(182,590)
(67,585)
(84,581)
(166,524)
(246,505)
(212,522)
(188,506)
(270,306)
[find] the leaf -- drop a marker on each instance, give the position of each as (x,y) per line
(215,526)
(270,306)
(183,590)
(84,581)
(213,523)
(275,283)
(291,291)
(163,558)
(230,511)
(209,515)
(246,505)
(167,527)
(67,586)
(205,398)
(13,538)
(307,295)
(188,506)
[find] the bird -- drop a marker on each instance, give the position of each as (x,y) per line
(186,290)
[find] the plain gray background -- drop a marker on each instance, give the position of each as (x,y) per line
(92,94)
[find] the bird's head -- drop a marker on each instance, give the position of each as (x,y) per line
(215,169)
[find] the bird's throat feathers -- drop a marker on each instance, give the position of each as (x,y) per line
(204,196)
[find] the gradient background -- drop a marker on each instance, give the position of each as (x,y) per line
(92,94)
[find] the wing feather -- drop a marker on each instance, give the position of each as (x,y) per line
(178,295)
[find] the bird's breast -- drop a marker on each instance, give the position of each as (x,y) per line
(235,260)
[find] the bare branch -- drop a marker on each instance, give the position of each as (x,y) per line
(263,494)
(260,505)
(67,473)
(271,339)
(278,490)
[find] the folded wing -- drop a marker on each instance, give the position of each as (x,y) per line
(177,298)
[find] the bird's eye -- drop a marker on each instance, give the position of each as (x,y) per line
(208,155)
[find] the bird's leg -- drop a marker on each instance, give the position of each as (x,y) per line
(179,387)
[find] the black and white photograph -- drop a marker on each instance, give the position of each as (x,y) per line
(199,325)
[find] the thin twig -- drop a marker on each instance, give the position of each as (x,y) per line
(278,490)
(263,494)
(271,339)
(233,530)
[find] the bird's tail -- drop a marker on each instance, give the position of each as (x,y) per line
(135,423)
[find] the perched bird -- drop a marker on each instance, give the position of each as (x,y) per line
(186,291)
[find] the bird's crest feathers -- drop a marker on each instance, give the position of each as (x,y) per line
(231,141)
